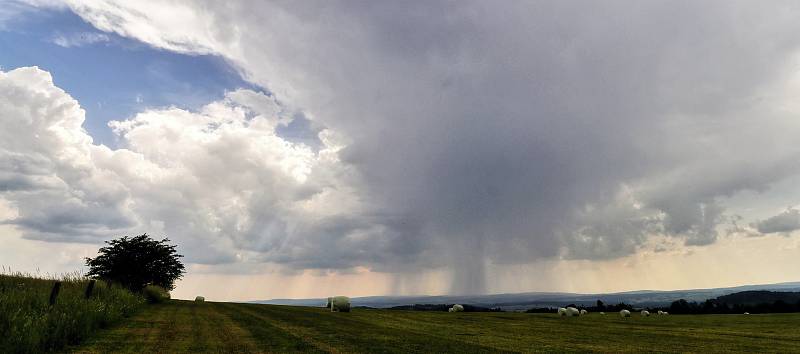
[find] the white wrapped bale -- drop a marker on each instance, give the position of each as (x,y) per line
(645,313)
(339,304)
(625,313)
(584,312)
(450,310)
(747,313)
(199,299)
(665,313)
(602,313)
(457,308)
(660,312)
(562,311)
(573,312)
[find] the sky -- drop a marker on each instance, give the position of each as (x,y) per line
(304,149)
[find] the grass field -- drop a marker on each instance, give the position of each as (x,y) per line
(186,327)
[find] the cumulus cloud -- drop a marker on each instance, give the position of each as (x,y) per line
(470,132)
(785,222)
(46,170)
(218,181)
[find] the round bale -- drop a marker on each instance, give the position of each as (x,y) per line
(340,304)
(571,311)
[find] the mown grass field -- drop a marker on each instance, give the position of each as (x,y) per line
(187,327)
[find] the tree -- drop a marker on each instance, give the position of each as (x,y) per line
(601,306)
(680,306)
(135,262)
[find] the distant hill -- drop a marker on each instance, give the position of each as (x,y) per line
(522,301)
(756,297)
(442,307)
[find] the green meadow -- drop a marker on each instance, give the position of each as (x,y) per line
(188,327)
(30,323)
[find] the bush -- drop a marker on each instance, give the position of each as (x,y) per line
(155,294)
(29,324)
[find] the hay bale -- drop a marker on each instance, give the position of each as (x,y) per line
(571,311)
(199,299)
(625,313)
(339,304)
(457,308)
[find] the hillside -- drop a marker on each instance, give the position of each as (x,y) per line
(44,314)
(187,327)
(756,297)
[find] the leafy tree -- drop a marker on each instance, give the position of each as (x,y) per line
(136,262)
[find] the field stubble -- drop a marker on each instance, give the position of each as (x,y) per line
(187,327)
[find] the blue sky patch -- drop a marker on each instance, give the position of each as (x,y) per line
(112,77)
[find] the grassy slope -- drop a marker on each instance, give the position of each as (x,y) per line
(178,327)
(29,324)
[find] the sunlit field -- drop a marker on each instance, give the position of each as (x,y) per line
(187,327)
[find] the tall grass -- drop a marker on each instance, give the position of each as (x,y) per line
(155,294)
(29,324)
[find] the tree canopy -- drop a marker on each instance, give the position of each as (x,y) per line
(136,262)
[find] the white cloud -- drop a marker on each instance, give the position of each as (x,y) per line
(220,181)
(169,25)
(79,39)
(46,166)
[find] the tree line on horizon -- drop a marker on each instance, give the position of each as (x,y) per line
(752,301)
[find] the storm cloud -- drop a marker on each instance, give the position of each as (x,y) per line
(785,222)
(455,133)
